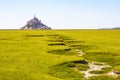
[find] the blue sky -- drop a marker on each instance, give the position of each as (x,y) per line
(61,14)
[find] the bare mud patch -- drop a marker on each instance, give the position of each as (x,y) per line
(66,51)
(35,36)
(57,44)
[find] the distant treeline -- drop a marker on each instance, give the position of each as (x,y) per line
(116,28)
(109,28)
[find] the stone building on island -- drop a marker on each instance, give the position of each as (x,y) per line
(35,23)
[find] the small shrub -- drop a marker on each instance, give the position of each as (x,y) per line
(82,67)
(117,69)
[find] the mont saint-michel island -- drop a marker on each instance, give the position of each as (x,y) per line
(35,23)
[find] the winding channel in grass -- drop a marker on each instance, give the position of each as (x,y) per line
(88,68)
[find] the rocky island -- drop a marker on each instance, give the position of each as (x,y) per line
(35,23)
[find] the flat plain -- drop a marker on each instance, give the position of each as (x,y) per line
(59,54)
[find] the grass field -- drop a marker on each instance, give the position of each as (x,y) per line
(54,54)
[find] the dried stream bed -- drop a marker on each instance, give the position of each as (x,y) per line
(94,66)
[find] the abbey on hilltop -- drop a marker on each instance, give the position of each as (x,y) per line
(35,23)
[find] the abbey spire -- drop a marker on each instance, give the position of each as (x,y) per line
(34,16)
